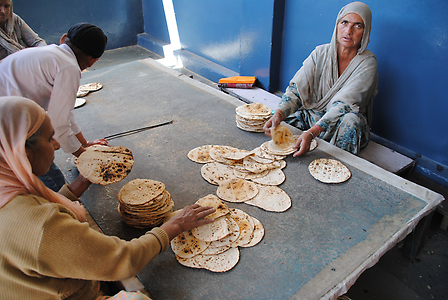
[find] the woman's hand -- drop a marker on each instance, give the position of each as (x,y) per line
(188,218)
(303,144)
(273,122)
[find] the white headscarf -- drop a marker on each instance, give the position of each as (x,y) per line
(318,81)
(8,37)
(20,118)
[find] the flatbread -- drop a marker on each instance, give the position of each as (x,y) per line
(213,231)
(329,170)
(140,191)
(273,177)
(245,224)
(237,190)
(253,110)
(231,237)
(187,245)
(222,262)
(201,154)
(258,234)
(105,165)
(215,173)
(81,93)
(282,138)
(215,202)
(91,87)
(271,198)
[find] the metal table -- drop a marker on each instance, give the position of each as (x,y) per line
(315,250)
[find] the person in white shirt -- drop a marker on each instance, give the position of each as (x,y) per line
(50,76)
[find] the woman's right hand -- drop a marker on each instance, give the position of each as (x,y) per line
(188,218)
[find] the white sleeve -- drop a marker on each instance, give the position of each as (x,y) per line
(60,108)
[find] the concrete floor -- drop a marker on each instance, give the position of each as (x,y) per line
(395,276)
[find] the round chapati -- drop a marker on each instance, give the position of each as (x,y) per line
(231,237)
(237,155)
(221,262)
(213,231)
(237,190)
(329,170)
(272,149)
(187,245)
(271,198)
(215,173)
(201,154)
(273,177)
(105,165)
(140,191)
(253,109)
(215,250)
(215,202)
(255,167)
(246,225)
(263,153)
(258,234)
(91,87)
(282,138)
(81,93)
(244,174)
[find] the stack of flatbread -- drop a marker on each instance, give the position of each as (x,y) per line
(214,246)
(144,203)
(329,170)
(251,117)
(244,176)
(84,89)
(105,165)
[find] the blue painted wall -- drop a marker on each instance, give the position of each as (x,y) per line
(121,20)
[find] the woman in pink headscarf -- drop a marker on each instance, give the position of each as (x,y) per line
(47,251)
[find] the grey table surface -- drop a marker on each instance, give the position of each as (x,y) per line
(316,249)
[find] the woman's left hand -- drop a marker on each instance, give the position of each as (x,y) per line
(303,144)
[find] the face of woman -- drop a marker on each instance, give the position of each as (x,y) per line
(41,155)
(350,31)
(5,9)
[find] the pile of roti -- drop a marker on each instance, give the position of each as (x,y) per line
(105,165)
(329,170)
(283,141)
(84,89)
(144,203)
(251,117)
(214,246)
(245,176)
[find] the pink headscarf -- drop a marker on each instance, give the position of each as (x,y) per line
(20,118)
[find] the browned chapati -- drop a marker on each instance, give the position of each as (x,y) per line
(105,165)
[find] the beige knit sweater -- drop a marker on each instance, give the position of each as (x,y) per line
(45,253)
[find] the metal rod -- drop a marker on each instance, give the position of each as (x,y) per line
(137,130)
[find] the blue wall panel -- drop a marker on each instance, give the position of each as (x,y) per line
(121,20)
(155,22)
(235,33)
